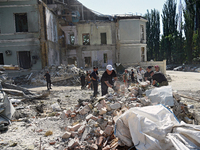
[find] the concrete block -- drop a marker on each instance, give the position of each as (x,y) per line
(74,128)
(90,116)
(115,106)
(109,129)
(93,147)
(99,141)
(102,111)
(73,142)
(66,135)
(84,110)
(103,103)
(99,106)
(81,129)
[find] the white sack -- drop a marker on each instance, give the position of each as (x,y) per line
(161,95)
(146,126)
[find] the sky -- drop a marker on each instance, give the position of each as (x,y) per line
(110,7)
(136,7)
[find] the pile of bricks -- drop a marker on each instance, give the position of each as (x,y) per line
(96,128)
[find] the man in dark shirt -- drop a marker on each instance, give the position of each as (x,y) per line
(48,79)
(159,79)
(106,79)
(132,76)
(82,81)
(94,78)
(147,75)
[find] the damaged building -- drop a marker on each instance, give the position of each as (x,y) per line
(28,34)
(39,33)
(94,39)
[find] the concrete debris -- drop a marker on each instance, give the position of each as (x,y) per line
(63,120)
(60,75)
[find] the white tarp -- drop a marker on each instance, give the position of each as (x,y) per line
(145,127)
(155,128)
(161,95)
(6,105)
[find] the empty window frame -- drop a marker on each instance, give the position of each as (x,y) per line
(21,23)
(142,32)
(86,39)
(103,38)
(72,39)
(142,54)
(105,58)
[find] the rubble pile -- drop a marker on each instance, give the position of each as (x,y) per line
(121,119)
(60,75)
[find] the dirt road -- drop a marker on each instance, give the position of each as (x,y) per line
(184,80)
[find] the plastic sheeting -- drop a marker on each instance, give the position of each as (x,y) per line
(6,105)
(155,128)
(161,95)
(145,126)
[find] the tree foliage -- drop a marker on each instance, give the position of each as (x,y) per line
(153,34)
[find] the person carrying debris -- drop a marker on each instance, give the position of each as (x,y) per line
(48,79)
(82,78)
(88,80)
(147,75)
(106,79)
(94,78)
(125,77)
(159,79)
(140,74)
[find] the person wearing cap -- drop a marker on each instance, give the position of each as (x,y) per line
(94,78)
(147,75)
(157,69)
(106,79)
(159,79)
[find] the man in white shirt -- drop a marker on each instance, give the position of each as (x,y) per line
(140,74)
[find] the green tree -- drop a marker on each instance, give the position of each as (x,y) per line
(189,15)
(153,34)
(169,20)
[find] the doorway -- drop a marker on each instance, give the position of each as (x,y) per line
(1,59)
(24,59)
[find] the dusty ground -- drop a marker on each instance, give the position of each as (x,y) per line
(184,80)
(29,132)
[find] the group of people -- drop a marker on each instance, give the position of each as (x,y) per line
(92,79)
(156,78)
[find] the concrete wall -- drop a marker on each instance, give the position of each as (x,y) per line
(52,38)
(19,41)
(129,40)
(161,64)
(95,50)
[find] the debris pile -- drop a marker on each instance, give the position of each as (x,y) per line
(60,75)
(123,119)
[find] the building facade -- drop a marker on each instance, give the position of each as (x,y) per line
(28,34)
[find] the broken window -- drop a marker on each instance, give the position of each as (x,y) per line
(88,62)
(72,39)
(105,58)
(142,32)
(142,54)
(21,22)
(1,59)
(86,39)
(72,61)
(103,38)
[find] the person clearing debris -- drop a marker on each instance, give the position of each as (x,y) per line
(106,79)
(94,78)
(147,75)
(82,78)
(159,79)
(48,79)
